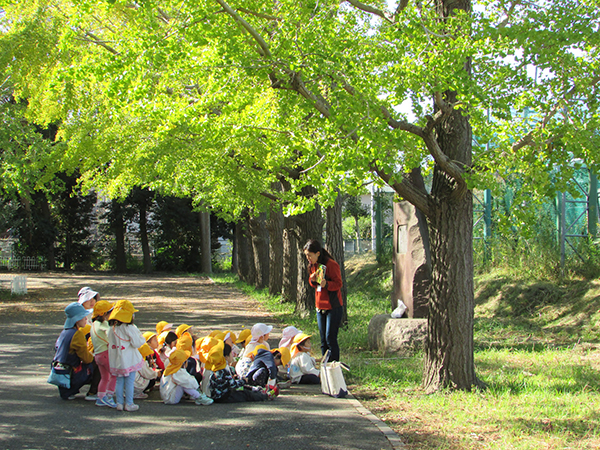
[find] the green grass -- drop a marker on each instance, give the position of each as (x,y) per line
(537,348)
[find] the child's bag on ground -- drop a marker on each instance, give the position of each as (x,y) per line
(332,378)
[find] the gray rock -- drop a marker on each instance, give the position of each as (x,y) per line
(401,336)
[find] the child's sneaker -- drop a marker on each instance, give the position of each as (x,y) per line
(204,400)
(119,406)
(140,396)
(132,407)
(106,401)
(284,384)
(272,392)
(91,397)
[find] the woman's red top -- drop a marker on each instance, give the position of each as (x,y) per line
(330,296)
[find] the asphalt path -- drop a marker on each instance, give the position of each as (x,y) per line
(32,415)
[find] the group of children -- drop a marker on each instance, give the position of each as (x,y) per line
(100,345)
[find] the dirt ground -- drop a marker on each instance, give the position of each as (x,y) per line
(32,416)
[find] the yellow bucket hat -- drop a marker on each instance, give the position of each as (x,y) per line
(176,360)
(215,360)
(185,343)
(123,311)
(220,336)
(145,350)
(298,339)
(286,356)
(101,308)
(148,335)
(203,347)
(163,325)
(214,333)
(161,338)
(182,329)
(231,335)
(243,335)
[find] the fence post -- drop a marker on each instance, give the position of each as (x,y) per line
(561,226)
(593,206)
(487,223)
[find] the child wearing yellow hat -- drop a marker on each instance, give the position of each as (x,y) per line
(176,382)
(224,387)
(124,339)
(146,377)
(99,336)
(303,367)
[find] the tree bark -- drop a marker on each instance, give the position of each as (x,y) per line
(242,251)
(118,227)
(205,250)
(260,249)
(275,228)
(335,246)
(308,226)
(147,257)
(143,200)
(289,289)
(47,215)
(449,361)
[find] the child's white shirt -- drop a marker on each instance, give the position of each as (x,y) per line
(169,383)
(302,364)
(123,354)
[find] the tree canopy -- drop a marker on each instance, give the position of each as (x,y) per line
(219,100)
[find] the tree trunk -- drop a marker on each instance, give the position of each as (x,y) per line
(205,250)
(47,215)
(449,361)
(143,233)
(308,226)
(289,289)
(335,246)
(243,266)
(275,227)
(260,249)
(119,231)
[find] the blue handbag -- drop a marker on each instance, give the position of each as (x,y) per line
(60,377)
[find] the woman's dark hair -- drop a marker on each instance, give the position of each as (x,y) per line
(314,246)
(170,338)
(226,350)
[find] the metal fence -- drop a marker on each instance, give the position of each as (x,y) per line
(23,263)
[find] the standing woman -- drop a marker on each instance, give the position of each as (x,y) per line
(328,297)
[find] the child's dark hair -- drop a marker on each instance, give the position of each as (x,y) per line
(170,338)
(314,246)
(226,350)
(118,323)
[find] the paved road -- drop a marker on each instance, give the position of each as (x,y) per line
(32,416)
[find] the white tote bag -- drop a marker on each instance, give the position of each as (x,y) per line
(332,378)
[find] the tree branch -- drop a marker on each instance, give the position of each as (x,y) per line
(89,37)
(261,15)
(370,9)
(527,139)
(406,189)
(263,46)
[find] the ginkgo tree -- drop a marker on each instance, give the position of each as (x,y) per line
(221,99)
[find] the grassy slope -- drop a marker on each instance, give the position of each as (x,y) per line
(537,348)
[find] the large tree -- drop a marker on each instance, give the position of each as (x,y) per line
(218,100)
